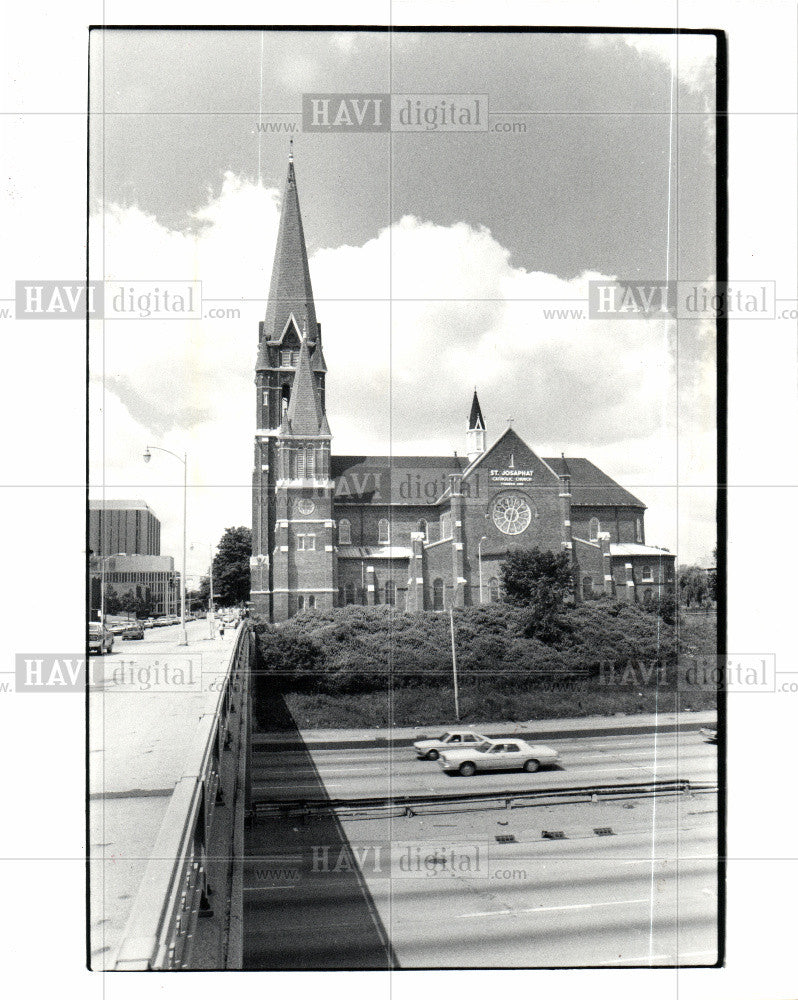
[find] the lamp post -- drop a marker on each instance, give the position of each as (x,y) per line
(479,557)
(184,460)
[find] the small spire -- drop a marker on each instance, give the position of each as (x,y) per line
(290,150)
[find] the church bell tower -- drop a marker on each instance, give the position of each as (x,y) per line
(292,565)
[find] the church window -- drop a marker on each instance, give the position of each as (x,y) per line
(493,587)
(300,463)
(648,597)
(648,576)
(595,528)
(511,514)
(300,602)
(311,601)
(344,532)
(306,543)
(437,595)
(390,592)
(639,531)
(286,358)
(310,460)
(285,396)
(446,526)
(383,531)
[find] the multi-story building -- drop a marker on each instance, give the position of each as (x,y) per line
(415,532)
(152,579)
(127,526)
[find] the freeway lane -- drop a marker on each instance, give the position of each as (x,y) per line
(335,891)
(374,771)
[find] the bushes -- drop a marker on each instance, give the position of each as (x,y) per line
(358,649)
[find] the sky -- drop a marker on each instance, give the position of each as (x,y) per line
(433,257)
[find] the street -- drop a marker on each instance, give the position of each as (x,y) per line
(438,889)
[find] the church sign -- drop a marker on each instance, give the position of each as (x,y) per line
(511,477)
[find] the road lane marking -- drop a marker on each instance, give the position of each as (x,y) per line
(549,909)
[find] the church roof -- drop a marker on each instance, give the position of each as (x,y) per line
(475,418)
(590,487)
(304,416)
(290,290)
(398,479)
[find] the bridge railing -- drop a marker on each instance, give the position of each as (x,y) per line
(190,880)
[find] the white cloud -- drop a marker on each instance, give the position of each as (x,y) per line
(416,316)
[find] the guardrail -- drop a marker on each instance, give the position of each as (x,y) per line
(196,845)
(409,805)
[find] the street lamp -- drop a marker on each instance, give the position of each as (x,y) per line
(184,460)
(479,557)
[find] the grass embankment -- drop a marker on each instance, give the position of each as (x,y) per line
(370,667)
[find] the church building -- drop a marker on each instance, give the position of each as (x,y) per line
(417,533)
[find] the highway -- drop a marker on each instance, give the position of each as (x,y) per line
(384,771)
(437,889)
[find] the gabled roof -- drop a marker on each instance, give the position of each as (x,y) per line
(414,480)
(509,439)
(475,419)
(290,290)
(304,416)
(590,487)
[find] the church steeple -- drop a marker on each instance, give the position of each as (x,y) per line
(476,431)
(304,416)
(290,302)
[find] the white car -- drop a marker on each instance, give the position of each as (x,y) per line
(431,749)
(497,755)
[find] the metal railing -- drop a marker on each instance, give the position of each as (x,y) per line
(407,805)
(195,844)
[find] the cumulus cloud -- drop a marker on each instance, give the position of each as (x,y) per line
(412,320)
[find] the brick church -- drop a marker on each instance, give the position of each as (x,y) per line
(417,533)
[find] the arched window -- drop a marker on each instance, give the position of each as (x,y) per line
(437,595)
(587,587)
(390,592)
(384,531)
(344,532)
(647,574)
(310,461)
(350,593)
(300,463)
(285,397)
(493,587)
(595,528)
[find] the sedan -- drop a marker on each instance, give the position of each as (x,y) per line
(507,755)
(101,640)
(133,632)
(431,749)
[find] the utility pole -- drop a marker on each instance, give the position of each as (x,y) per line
(454,666)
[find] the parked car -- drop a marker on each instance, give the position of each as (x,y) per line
(133,632)
(497,755)
(430,749)
(101,640)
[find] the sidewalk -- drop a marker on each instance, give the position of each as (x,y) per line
(544,729)
(145,705)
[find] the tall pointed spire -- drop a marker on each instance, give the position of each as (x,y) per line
(476,431)
(304,416)
(290,291)
(475,420)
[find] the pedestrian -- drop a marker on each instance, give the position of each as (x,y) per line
(221,631)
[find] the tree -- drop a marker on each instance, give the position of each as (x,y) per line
(692,585)
(112,605)
(539,581)
(231,566)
